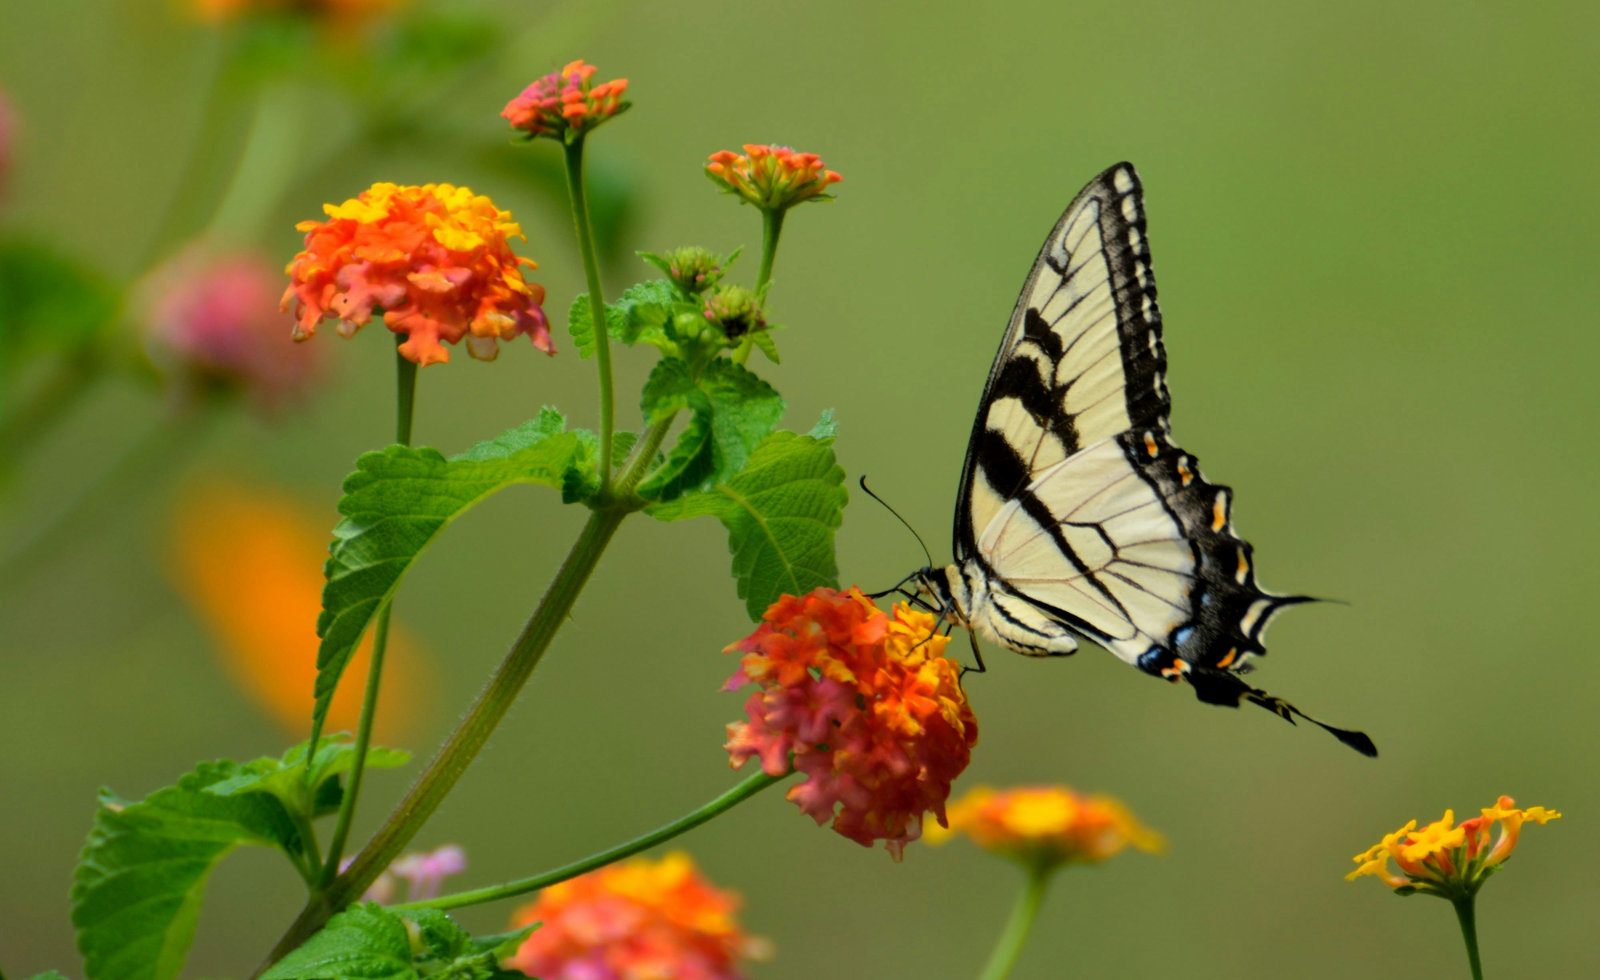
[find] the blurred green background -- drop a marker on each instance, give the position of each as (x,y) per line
(1374,226)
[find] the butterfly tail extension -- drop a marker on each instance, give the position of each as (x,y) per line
(1222,687)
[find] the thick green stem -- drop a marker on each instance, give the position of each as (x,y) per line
(1011,941)
(469,737)
(727,801)
(405,371)
(597,307)
(771,228)
(1469,932)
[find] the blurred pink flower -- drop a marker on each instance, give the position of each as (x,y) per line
(8,133)
(213,319)
(424,872)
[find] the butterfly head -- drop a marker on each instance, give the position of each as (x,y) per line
(944,591)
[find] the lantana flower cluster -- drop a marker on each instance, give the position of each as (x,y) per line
(772,178)
(639,920)
(1046,826)
(1448,859)
(435,259)
(565,104)
(339,12)
(866,705)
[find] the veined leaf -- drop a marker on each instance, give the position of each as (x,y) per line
(398,499)
(580,323)
(781,512)
(137,888)
(368,942)
(733,411)
(311,792)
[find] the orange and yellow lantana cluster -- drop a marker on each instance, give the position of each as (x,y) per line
(638,920)
(342,13)
(564,103)
(865,702)
(771,177)
(1448,859)
(1045,826)
(435,259)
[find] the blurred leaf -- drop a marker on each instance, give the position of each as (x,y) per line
(394,504)
(136,891)
(733,411)
(48,975)
(48,302)
(367,942)
(781,512)
(311,793)
(440,40)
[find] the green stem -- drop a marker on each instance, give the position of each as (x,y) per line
(597,306)
(1009,946)
(154,455)
(771,228)
(271,153)
(405,405)
(727,801)
(1469,932)
(467,740)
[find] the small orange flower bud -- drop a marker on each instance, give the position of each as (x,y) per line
(435,259)
(773,178)
(1045,826)
(638,920)
(563,105)
(864,703)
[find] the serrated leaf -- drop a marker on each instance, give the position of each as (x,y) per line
(394,504)
(825,427)
(137,889)
(580,323)
(781,512)
(645,306)
(361,943)
(312,792)
(763,341)
(733,410)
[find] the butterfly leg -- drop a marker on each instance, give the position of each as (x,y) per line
(977,655)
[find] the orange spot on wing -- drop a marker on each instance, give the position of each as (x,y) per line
(1150,444)
(1229,658)
(1219,513)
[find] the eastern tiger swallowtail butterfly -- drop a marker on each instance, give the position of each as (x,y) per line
(1078,516)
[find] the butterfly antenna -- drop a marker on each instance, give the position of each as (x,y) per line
(925,553)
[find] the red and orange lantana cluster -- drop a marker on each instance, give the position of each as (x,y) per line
(1045,826)
(436,259)
(564,104)
(865,702)
(1448,859)
(638,920)
(772,178)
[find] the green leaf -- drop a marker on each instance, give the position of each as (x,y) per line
(398,499)
(136,891)
(48,302)
(48,975)
(733,411)
(781,512)
(368,942)
(310,793)
(646,307)
(580,323)
(825,427)
(362,942)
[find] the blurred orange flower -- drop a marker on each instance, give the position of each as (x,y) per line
(638,920)
(1447,859)
(435,259)
(1045,826)
(867,706)
(340,12)
(250,563)
(772,178)
(213,318)
(564,104)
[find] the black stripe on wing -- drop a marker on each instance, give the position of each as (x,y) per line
(1103,227)
(1228,610)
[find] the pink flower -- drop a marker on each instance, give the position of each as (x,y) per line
(213,319)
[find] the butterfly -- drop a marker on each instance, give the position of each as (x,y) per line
(1078,516)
